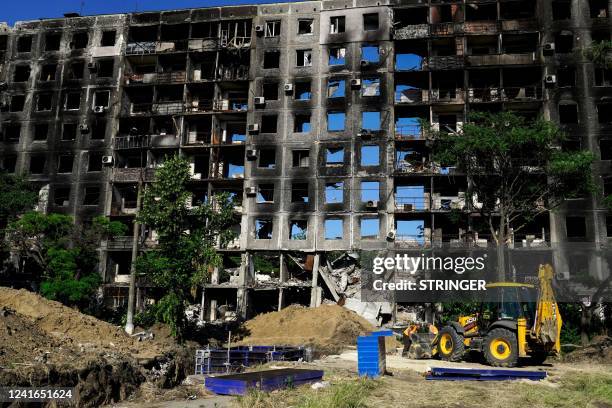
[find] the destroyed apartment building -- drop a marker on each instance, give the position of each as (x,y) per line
(309,114)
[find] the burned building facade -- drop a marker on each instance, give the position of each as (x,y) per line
(310,114)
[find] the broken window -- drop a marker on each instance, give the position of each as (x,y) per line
(566,76)
(334,193)
(69,131)
(17,103)
(47,73)
(273,28)
(37,164)
(298,229)
(481,12)
(3,42)
(270,91)
(370,53)
(335,121)
(604,113)
(9,163)
(336,88)
(12,132)
(370,87)
(106,68)
(271,59)
(44,102)
(301,123)
(305,26)
(269,123)
(336,24)
(64,164)
(77,70)
(575,226)
(94,162)
(79,40)
(302,91)
(41,130)
(109,38)
(299,192)
(24,43)
(91,196)
(370,21)
(102,98)
(603,77)
(562,9)
(448,123)
(301,158)
(98,129)
(337,56)
(370,228)
(334,156)
(303,58)
(370,120)
(61,196)
(598,8)
(22,73)
(605,149)
(370,155)
(265,193)
(334,228)
(609,226)
(263,228)
(73,101)
(564,42)
(568,113)
(370,191)
(267,159)
(53,41)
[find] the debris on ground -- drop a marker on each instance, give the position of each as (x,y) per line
(599,350)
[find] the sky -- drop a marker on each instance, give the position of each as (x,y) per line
(12,11)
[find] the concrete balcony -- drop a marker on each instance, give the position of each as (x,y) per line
(132,175)
(176,77)
(502,59)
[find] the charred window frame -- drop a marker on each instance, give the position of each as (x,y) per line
(22,73)
(305,26)
(271,59)
(106,68)
(301,158)
(65,163)
(12,132)
(298,230)
(269,123)
(91,195)
(24,43)
(265,193)
(17,103)
(370,22)
(334,229)
(41,132)
(94,162)
(263,228)
(48,72)
(76,70)
(266,159)
(69,131)
(337,24)
(270,91)
(299,193)
(303,58)
(73,101)
(53,41)
(37,164)
(334,192)
(44,102)
(272,28)
(9,163)
(61,196)
(80,40)
(109,38)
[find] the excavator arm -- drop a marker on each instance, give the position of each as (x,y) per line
(547,322)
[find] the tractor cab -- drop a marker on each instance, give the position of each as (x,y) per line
(516,300)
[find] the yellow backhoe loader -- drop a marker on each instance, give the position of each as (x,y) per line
(514,326)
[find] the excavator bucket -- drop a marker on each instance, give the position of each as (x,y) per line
(419,341)
(548,322)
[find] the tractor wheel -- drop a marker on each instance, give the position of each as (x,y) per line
(450,344)
(501,348)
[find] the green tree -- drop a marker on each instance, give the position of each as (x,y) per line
(65,253)
(187,238)
(16,196)
(515,170)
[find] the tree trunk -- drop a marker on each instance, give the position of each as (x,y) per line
(501,247)
(585,324)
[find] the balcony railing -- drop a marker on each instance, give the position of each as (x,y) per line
(453,95)
(505,94)
(132,142)
(409,132)
(411,203)
(157,78)
(159,108)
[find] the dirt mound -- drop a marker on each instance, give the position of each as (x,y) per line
(328,328)
(600,351)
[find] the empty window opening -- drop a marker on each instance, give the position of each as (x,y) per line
(598,8)
(301,158)
(562,9)
(370,53)
(609,226)
(481,12)
(22,73)
(334,156)
(94,162)
(270,91)
(263,228)
(69,132)
(605,148)
(336,88)
(44,102)
(9,163)
(303,58)
(337,24)
(53,41)
(273,28)
(76,70)
(604,113)
(91,196)
(61,196)
(370,191)
(41,130)
(265,193)
(269,123)
(564,42)
(370,21)
(24,44)
(47,73)
(305,26)
(334,228)
(370,155)
(334,193)
(79,41)
(335,121)
(17,103)
(301,124)
(109,38)
(271,59)
(575,227)
(568,113)
(12,132)
(73,101)
(520,43)
(299,192)
(448,123)
(370,87)
(298,229)
(37,164)
(603,77)
(482,45)
(102,98)
(98,130)
(106,68)
(370,121)
(302,91)
(64,164)
(514,10)
(370,228)
(337,56)
(410,230)
(566,76)
(267,159)
(3,42)
(410,198)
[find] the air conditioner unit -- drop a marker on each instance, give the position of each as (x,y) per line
(372,204)
(108,160)
(250,191)
(84,128)
(356,83)
(259,29)
(259,100)
(288,87)
(565,275)
(253,128)
(550,80)
(391,236)
(99,109)
(251,154)
(92,66)
(548,48)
